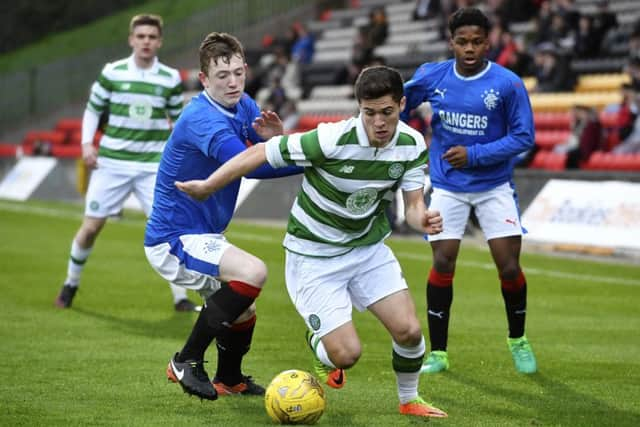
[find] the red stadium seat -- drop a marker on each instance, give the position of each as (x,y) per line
(552,120)
(51,137)
(8,149)
(539,159)
(556,161)
(609,119)
(311,121)
(69,125)
(547,139)
(66,151)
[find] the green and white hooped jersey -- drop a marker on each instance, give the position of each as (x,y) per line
(140,102)
(347,184)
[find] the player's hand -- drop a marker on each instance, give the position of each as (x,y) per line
(268,125)
(89,155)
(195,188)
(432,222)
(456,156)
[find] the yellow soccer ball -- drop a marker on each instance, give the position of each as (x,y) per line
(295,397)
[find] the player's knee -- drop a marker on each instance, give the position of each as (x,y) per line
(346,357)
(344,353)
(409,335)
(443,263)
(255,273)
(510,271)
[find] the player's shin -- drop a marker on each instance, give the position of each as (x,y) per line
(439,299)
(233,343)
(229,302)
(514,293)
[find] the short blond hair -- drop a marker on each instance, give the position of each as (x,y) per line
(146,19)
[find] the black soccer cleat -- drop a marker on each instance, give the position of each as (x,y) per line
(247,387)
(192,378)
(65,297)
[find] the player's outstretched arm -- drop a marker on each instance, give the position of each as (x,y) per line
(233,169)
(418,216)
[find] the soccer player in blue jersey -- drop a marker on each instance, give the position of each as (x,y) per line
(184,240)
(481,121)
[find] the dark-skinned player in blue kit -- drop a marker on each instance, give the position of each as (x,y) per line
(482,120)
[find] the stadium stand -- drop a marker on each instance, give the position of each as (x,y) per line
(319,97)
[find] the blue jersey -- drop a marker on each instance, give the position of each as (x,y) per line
(205,136)
(489,113)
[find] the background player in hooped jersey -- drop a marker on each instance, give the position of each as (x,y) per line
(184,240)
(142,97)
(481,121)
(335,252)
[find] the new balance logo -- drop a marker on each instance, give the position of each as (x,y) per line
(520,311)
(438,314)
(440,92)
(510,221)
(347,168)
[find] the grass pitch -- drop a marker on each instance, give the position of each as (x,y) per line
(102,362)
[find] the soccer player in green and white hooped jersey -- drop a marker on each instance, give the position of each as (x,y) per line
(336,258)
(142,97)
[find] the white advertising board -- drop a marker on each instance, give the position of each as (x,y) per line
(591,213)
(246,187)
(27,174)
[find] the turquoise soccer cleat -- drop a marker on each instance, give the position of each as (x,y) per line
(437,361)
(523,356)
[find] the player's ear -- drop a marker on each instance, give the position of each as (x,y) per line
(204,79)
(403,103)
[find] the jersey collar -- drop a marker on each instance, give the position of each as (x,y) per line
(153,69)
(475,76)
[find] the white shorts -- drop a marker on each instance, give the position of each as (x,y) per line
(496,210)
(110,188)
(324,290)
(192,261)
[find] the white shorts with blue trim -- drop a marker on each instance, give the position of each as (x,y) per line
(191,261)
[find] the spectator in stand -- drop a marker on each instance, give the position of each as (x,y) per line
(376,31)
(509,48)
(553,71)
(634,40)
(518,60)
(427,9)
(304,47)
(627,113)
(510,11)
(585,137)
(603,21)
(633,69)
(543,23)
(631,144)
(569,13)
(561,33)
(586,43)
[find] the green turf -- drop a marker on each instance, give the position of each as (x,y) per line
(103,361)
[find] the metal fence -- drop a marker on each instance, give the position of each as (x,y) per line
(43,89)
